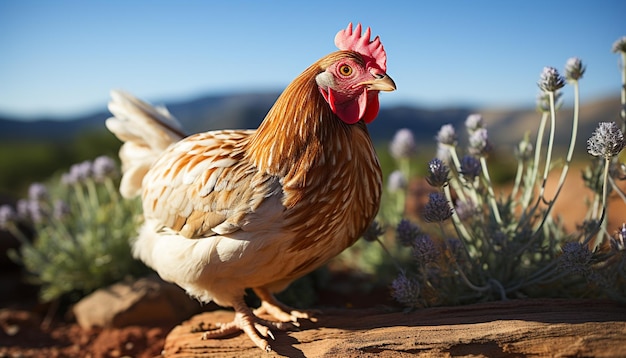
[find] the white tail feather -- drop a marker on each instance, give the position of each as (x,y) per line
(146,132)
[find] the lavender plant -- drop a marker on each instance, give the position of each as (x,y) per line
(503,246)
(81,231)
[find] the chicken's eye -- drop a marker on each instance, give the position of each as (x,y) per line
(345,70)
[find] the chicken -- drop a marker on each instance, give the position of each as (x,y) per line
(229,210)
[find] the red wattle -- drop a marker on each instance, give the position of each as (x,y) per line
(372,108)
(365,107)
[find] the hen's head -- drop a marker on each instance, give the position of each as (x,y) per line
(354,76)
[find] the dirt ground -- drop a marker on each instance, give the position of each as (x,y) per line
(23,336)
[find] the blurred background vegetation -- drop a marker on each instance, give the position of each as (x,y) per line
(25,161)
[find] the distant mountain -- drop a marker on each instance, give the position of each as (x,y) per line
(510,125)
(506,126)
(48,129)
(201,114)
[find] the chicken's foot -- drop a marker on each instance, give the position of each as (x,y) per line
(257,329)
(270,305)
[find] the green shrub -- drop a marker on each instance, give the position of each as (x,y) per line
(82,229)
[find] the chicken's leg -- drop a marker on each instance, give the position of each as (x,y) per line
(270,305)
(257,329)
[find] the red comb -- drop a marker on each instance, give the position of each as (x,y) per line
(353,41)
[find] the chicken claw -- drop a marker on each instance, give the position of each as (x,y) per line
(283,313)
(257,329)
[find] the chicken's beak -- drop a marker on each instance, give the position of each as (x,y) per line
(380,83)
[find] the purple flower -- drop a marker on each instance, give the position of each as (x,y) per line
(446,135)
(78,173)
(473,122)
(406,232)
(7,215)
(424,249)
(437,173)
(103,167)
(30,210)
(437,209)
(550,80)
(479,144)
(37,191)
(575,258)
(403,144)
(606,141)
(470,167)
(574,69)
(405,290)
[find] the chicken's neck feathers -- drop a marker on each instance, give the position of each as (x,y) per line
(299,128)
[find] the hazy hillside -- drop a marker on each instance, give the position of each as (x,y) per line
(506,126)
(509,126)
(201,114)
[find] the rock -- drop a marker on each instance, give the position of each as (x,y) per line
(146,301)
(519,328)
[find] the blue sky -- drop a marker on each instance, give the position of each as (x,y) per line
(62,57)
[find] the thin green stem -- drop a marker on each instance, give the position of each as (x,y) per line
(572,143)
(529,187)
(535,167)
(605,204)
(605,179)
(518,178)
(460,228)
(92,192)
(455,158)
(492,195)
(458,187)
(473,192)
(547,164)
(111,190)
(83,207)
